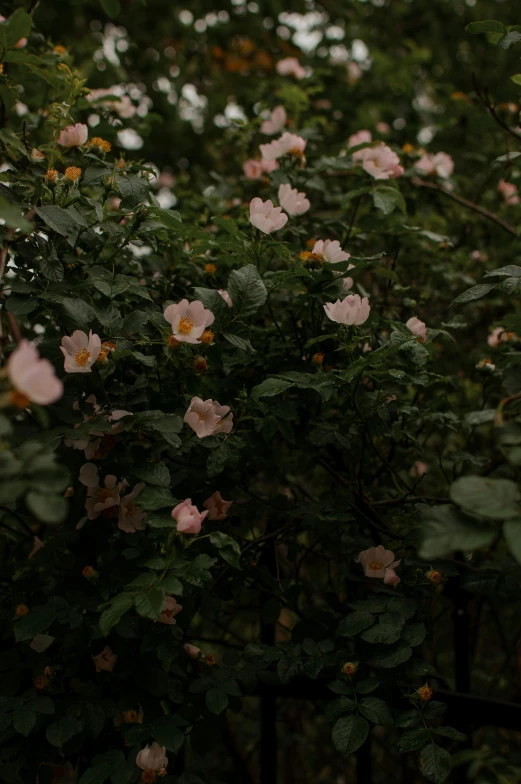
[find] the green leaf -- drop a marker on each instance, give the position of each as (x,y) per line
(516,78)
(24,719)
(112,615)
(80,314)
(449,732)
(63,730)
(435,764)
(381,633)
(52,268)
(152,498)
(38,620)
(445,530)
(271,387)
(512,534)
(495,499)
(354,623)
(393,658)
(247,291)
(104,766)
(153,474)
(166,731)
(241,343)
(169,218)
(488,26)
(476,292)
(349,733)
(111,7)
(216,701)
(133,189)
(413,739)
(414,634)
(376,710)
(386,199)
(150,604)
(43,705)
(509,40)
(13,218)
(18,26)
(50,509)
(61,221)
(228,548)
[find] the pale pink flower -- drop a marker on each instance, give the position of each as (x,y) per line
(99,498)
(360,137)
(130,516)
(80,351)
(152,757)
(290,66)
(391,578)
(383,127)
(275,122)
(377,560)
(41,642)
(419,469)
(217,506)
(508,191)
(192,650)
(354,72)
(350,311)
(265,217)
(288,143)
(206,417)
(19,44)
(37,545)
(499,335)
(188,320)
(33,379)
(347,284)
(226,297)
(188,517)
(379,161)
(254,169)
(417,327)
(478,255)
(292,201)
(74,135)
(330,251)
(105,660)
(440,164)
(170,609)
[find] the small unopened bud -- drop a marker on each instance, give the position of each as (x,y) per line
(211,269)
(317,358)
(172,342)
(210,660)
(200,364)
(88,572)
(207,337)
(424,693)
(73,173)
(21,610)
(51,174)
(434,576)
(40,682)
(349,668)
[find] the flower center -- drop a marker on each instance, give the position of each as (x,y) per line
(82,357)
(18,399)
(296,151)
(185,325)
(201,416)
(375,566)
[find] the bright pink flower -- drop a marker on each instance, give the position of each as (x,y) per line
(170,609)
(130,516)
(80,351)
(509,192)
(440,164)
(105,660)
(188,320)
(275,122)
(265,217)
(37,545)
(217,506)
(350,311)
(292,201)
(206,417)
(379,161)
(33,379)
(288,143)
(360,137)
(188,517)
(152,757)
(226,297)
(417,327)
(74,135)
(419,469)
(192,650)
(290,66)
(376,561)
(330,251)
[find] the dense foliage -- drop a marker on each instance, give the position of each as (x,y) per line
(247,445)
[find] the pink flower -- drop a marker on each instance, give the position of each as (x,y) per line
(217,506)
(19,44)
(170,609)
(37,545)
(33,379)
(254,169)
(376,561)
(275,123)
(478,255)
(188,320)
(383,127)
(292,201)
(417,327)
(350,311)
(379,161)
(152,757)
(74,135)
(499,336)
(226,297)
(105,660)
(288,143)
(347,284)
(266,217)
(508,191)
(330,251)
(206,417)
(440,164)
(192,650)
(130,516)
(391,578)
(80,351)
(360,137)
(99,498)
(354,72)
(419,469)
(188,517)
(290,66)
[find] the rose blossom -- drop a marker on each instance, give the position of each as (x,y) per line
(206,417)
(290,66)
(417,327)
(391,578)
(217,506)
(330,251)
(266,217)
(508,191)
(288,143)
(99,498)
(376,561)
(105,660)
(192,650)
(292,201)
(74,135)
(170,609)
(152,757)
(33,379)
(383,127)
(275,122)
(360,137)
(419,469)
(440,164)
(130,516)
(379,161)
(254,169)
(226,297)
(188,517)
(188,320)
(80,351)
(350,311)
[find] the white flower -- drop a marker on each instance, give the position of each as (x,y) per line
(292,201)
(330,251)
(275,122)
(266,217)
(288,143)
(379,161)
(188,320)
(206,417)
(350,311)
(152,757)
(80,351)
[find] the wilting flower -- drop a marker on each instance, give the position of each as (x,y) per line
(37,545)
(217,506)
(360,137)
(266,217)
(33,379)
(376,561)
(226,297)
(206,417)
(292,201)
(152,757)
(419,469)
(417,327)
(188,320)
(188,517)
(440,164)
(74,135)
(290,66)
(350,311)
(170,609)
(275,122)
(330,251)
(105,660)
(99,498)
(254,169)
(80,351)
(192,650)
(508,191)
(498,336)
(130,516)
(379,161)
(288,143)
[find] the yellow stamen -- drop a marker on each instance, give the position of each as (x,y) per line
(185,325)
(73,173)
(51,175)
(375,566)
(82,357)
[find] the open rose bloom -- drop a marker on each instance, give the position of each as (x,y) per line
(379,161)
(289,143)
(170,609)
(207,417)
(350,311)
(74,135)
(188,320)
(440,164)
(217,506)
(188,517)
(130,517)
(509,192)
(106,660)
(378,562)
(290,66)
(265,217)
(33,379)
(152,757)
(99,499)
(275,122)
(292,201)
(255,169)
(80,351)
(330,251)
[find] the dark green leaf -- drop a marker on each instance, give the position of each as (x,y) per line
(413,739)
(216,701)
(354,623)
(495,499)
(63,730)
(349,733)
(376,710)
(247,291)
(435,764)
